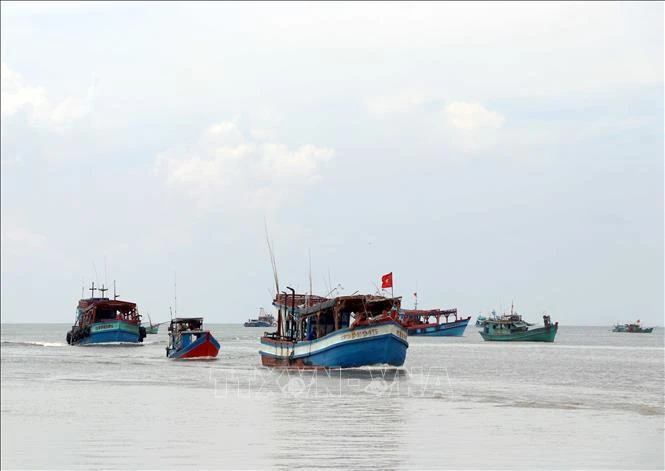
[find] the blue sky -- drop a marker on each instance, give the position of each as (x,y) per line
(482,152)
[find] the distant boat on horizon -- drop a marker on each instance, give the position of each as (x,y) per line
(264,320)
(635,328)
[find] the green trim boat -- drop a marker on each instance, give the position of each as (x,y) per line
(152,328)
(511,328)
(632,328)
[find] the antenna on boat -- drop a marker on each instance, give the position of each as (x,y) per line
(94,267)
(102,289)
(272,258)
(415,302)
(115,295)
(175,293)
(92,289)
(310,273)
(105,280)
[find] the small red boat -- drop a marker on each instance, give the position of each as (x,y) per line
(189,341)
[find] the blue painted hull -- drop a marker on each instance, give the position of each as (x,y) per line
(377,351)
(359,350)
(451,329)
(206,347)
(117,334)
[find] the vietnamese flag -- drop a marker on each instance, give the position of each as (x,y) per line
(387,280)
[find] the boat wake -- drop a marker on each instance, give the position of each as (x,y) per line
(33,344)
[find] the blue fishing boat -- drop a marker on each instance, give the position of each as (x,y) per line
(429,322)
(100,320)
(188,340)
(341,332)
(264,320)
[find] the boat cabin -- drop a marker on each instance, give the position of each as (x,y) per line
(312,320)
(185,330)
(413,317)
(101,309)
(93,310)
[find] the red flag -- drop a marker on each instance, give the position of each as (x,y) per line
(387,280)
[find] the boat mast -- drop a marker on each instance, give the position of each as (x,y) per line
(103,290)
(115,295)
(92,289)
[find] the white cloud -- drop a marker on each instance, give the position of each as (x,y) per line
(17,96)
(472,127)
(465,116)
(227,168)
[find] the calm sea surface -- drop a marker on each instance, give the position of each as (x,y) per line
(592,399)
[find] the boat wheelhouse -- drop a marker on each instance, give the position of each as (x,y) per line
(188,340)
(100,320)
(341,332)
(429,322)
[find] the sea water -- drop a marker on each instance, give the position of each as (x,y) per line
(591,399)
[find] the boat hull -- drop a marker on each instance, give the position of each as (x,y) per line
(152,329)
(377,344)
(622,329)
(540,334)
(257,324)
(204,348)
(113,332)
(449,329)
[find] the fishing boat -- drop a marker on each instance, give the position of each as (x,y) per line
(635,328)
(264,320)
(188,340)
(340,332)
(511,327)
(418,322)
(100,320)
(152,328)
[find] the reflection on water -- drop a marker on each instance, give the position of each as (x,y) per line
(456,403)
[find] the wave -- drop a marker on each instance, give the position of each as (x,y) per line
(33,344)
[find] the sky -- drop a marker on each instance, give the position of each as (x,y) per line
(484,153)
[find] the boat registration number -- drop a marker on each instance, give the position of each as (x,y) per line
(359,334)
(104,326)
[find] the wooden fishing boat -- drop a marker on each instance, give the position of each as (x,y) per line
(511,327)
(100,320)
(189,341)
(418,322)
(635,328)
(341,332)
